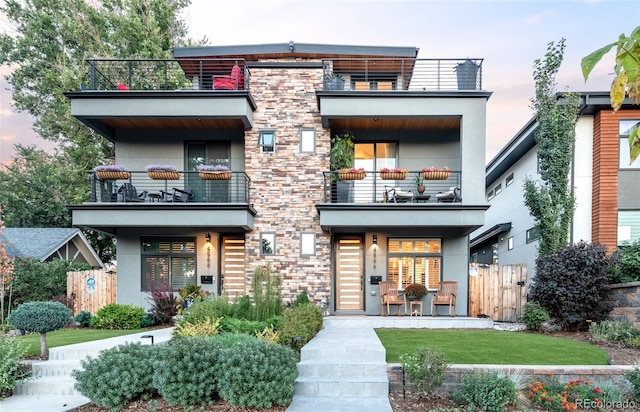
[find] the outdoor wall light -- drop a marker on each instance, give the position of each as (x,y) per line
(375,238)
(207,237)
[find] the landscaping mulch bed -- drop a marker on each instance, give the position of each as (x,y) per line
(618,355)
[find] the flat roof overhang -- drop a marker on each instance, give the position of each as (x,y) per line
(490,234)
(107,218)
(410,218)
(393,110)
(109,111)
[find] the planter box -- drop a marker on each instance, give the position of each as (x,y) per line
(351,176)
(215,175)
(163,175)
(113,175)
(393,175)
(439,175)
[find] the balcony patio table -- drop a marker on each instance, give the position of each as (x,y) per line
(418,198)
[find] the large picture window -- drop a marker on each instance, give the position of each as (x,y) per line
(626,127)
(415,261)
(168,262)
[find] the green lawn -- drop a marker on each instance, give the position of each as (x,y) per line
(72,335)
(492,347)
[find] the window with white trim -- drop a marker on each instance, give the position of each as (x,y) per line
(414,261)
(510,243)
(267,141)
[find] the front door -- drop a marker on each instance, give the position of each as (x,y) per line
(349,274)
(232,267)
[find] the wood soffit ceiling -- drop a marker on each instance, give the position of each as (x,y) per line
(174,123)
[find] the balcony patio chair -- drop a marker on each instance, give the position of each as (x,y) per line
(450,196)
(230,82)
(445,296)
(178,195)
(130,193)
(391,296)
(396,195)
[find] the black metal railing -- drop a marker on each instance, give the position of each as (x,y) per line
(167,74)
(377,187)
(187,187)
(403,74)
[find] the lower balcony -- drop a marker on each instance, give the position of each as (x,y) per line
(175,199)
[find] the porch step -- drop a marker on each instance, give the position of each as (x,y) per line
(335,386)
(55,368)
(342,403)
(47,385)
(343,370)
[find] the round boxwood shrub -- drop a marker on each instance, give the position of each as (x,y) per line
(485,391)
(117,316)
(186,371)
(257,374)
(303,321)
(40,317)
(118,375)
(83,318)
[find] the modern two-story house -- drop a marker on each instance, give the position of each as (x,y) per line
(602,179)
(268,113)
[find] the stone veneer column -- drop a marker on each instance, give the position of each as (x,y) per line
(286,184)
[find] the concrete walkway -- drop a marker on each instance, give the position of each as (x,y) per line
(53,390)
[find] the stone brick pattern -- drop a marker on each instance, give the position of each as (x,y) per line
(287,184)
(625,298)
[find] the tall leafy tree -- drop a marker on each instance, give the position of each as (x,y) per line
(551,201)
(627,80)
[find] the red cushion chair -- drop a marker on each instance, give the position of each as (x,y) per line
(228,82)
(122,86)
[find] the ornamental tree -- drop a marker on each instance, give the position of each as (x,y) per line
(6,271)
(550,200)
(40,317)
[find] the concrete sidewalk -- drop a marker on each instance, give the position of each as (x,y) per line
(52,390)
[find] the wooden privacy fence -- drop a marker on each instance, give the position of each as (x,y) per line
(91,289)
(499,292)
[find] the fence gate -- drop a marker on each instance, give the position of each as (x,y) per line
(499,292)
(91,289)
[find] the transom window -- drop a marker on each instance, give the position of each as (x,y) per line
(415,261)
(168,262)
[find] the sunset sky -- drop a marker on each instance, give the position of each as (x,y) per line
(508,35)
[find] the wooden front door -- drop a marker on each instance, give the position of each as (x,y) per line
(349,274)
(232,280)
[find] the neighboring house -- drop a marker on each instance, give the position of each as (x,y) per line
(47,244)
(607,209)
(268,112)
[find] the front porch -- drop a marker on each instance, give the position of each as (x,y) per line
(407,322)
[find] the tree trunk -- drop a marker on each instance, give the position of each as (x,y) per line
(43,345)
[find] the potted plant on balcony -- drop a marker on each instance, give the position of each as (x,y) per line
(162,172)
(352,173)
(111,172)
(214,172)
(334,81)
(393,173)
(435,173)
(419,183)
(415,291)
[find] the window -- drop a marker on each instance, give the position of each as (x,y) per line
(373,156)
(490,195)
(498,189)
(415,261)
(474,257)
(168,262)
(267,141)
(307,141)
(625,128)
(510,243)
(508,180)
(628,226)
(307,244)
(533,234)
(267,244)
(494,254)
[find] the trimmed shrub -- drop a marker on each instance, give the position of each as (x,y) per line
(612,331)
(208,327)
(217,307)
(426,370)
(118,375)
(487,391)
(627,268)
(633,376)
(249,327)
(571,284)
(148,320)
(257,374)
(83,318)
(302,298)
(40,317)
(533,315)
(11,351)
(303,321)
(187,370)
(117,316)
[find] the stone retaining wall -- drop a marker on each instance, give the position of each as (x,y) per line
(625,298)
(532,373)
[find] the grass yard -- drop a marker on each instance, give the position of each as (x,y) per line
(69,336)
(491,347)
